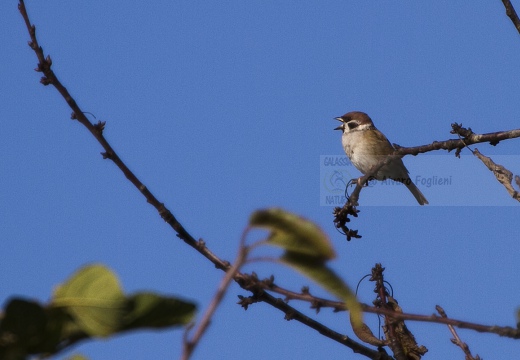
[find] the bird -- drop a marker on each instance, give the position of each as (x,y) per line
(367,147)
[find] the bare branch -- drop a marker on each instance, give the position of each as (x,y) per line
(319,303)
(504,176)
(456,339)
(50,78)
(469,138)
(510,11)
(189,345)
(399,338)
(293,314)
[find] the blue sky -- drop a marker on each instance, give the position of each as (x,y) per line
(224,108)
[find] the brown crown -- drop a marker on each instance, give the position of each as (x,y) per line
(360,116)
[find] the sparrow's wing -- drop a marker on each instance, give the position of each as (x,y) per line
(395,169)
(381,138)
(384,147)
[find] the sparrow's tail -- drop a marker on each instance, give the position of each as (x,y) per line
(416,192)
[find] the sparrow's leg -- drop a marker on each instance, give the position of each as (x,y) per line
(358,181)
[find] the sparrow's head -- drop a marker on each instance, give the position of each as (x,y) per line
(354,121)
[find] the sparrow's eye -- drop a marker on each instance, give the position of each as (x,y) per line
(352,125)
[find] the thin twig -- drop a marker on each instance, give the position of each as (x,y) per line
(504,176)
(456,339)
(472,138)
(190,344)
(510,11)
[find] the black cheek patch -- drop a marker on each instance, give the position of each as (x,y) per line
(352,125)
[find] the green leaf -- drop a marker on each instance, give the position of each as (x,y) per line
(77,357)
(29,328)
(93,297)
(316,270)
(149,310)
(89,303)
(364,333)
(293,233)
(307,248)
(22,328)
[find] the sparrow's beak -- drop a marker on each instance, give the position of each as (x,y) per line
(341,126)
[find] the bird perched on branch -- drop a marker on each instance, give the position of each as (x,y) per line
(367,147)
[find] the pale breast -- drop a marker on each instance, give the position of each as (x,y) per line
(357,146)
(357,152)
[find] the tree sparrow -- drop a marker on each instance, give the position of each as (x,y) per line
(366,147)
